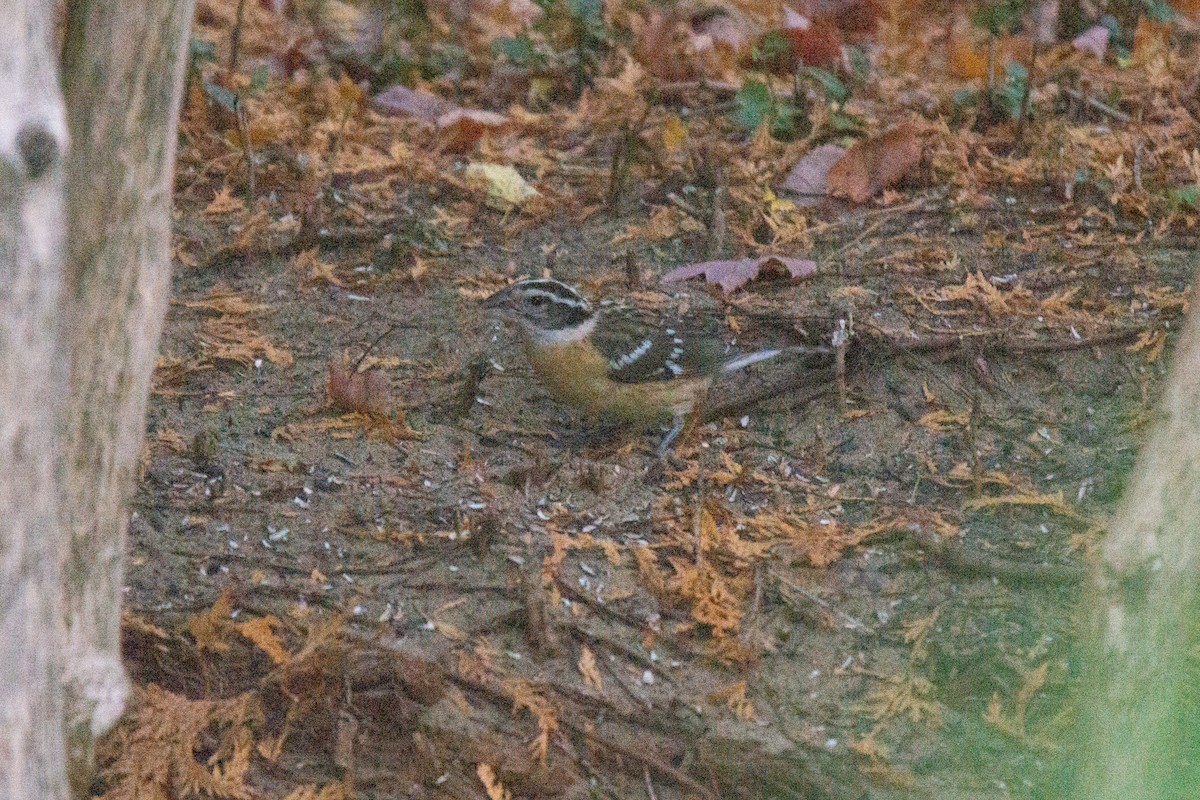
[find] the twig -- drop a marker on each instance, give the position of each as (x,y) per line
(247,149)
(235,36)
(642,757)
(955,558)
(685,206)
(1096,104)
(1023,114)
(649,784)
(698,514)
(372,346)
(716,222)
(841,340)
(851,623)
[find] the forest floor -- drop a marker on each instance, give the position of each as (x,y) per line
(370,557)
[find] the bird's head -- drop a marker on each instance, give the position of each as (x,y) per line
(546,310)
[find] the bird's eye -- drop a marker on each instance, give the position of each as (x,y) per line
(537,300)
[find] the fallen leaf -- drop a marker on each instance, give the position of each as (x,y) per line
(461,128)
(1094,40)
(365,392)
(491,783)
(505,186)
(967,53)
(809,175)
(224,202)
(872,165)
(403,101)
(674,134)
(734,273)
(1151,39)
(816,42)
(587,668)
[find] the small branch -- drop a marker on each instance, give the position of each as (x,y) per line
(374,343)
(247,151)
(954,557)
(1096,104)
(235,36)
(716,221)
(1023,115)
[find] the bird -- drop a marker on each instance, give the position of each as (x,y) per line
(608,363)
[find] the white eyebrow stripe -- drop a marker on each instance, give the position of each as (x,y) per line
(556,298)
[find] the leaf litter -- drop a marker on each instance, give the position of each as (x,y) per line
(413,570)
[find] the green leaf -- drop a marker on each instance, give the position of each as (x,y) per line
(1010,93)
(860,64)
(773,47)
(1000,17)
(844,124)
(783,123)
(259,77)
(1158,10)
(1186,196)
(221,96)
(517,49)
(202,50)
(831,86)
(753,104)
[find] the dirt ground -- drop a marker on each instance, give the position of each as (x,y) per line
(891,664)
(370,557)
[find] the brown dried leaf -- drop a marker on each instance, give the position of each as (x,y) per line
(460,128)
(809,175)
(817,42)
(734,273)
(366,392)
(874,164)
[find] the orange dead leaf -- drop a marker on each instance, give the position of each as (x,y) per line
(211,628)
(1150,39)
(491,783)
(967,53)
(587,668)
(874,164)
(313,270)
(733,697)
(261,631)
(525,695)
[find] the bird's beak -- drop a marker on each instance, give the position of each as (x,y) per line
(500,300)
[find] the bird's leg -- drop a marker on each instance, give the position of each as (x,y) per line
(677,425)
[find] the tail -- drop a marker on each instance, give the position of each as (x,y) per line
(741,362)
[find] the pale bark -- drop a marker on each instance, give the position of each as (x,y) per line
(1140,736)
(32,391)
(123,69)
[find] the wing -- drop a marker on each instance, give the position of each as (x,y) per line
(644,348)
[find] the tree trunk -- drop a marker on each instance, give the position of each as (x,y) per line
(1140,737)
(32,394)
(123,69)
